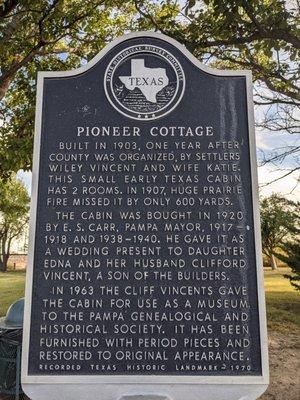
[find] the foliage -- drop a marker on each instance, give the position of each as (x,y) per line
(45,35)
(14,206)
(291,257)
(261,35)
(279,219)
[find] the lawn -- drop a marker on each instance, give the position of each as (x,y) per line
(283,302)
(12,284)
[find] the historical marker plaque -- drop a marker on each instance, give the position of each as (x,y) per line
(145,254)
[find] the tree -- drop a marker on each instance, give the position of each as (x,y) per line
(261,35)
(291,257)
(45,35)
(290,252)
(278,222)
(14,206)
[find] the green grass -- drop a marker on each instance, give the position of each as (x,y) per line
(12,284)
(283,301)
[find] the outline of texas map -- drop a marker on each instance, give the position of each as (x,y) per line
(150,81)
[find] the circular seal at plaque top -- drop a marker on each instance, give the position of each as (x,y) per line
(144,82)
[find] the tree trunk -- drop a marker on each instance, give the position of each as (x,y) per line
(2,267)
(5,252)
(3,262)
(273,262)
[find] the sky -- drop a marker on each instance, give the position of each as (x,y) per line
(269,143)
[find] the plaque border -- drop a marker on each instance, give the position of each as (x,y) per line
(37,381)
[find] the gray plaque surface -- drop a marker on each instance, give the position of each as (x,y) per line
(145,267)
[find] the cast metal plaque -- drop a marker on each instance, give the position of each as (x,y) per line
(145,259)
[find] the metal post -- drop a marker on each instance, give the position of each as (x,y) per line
(18,364)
